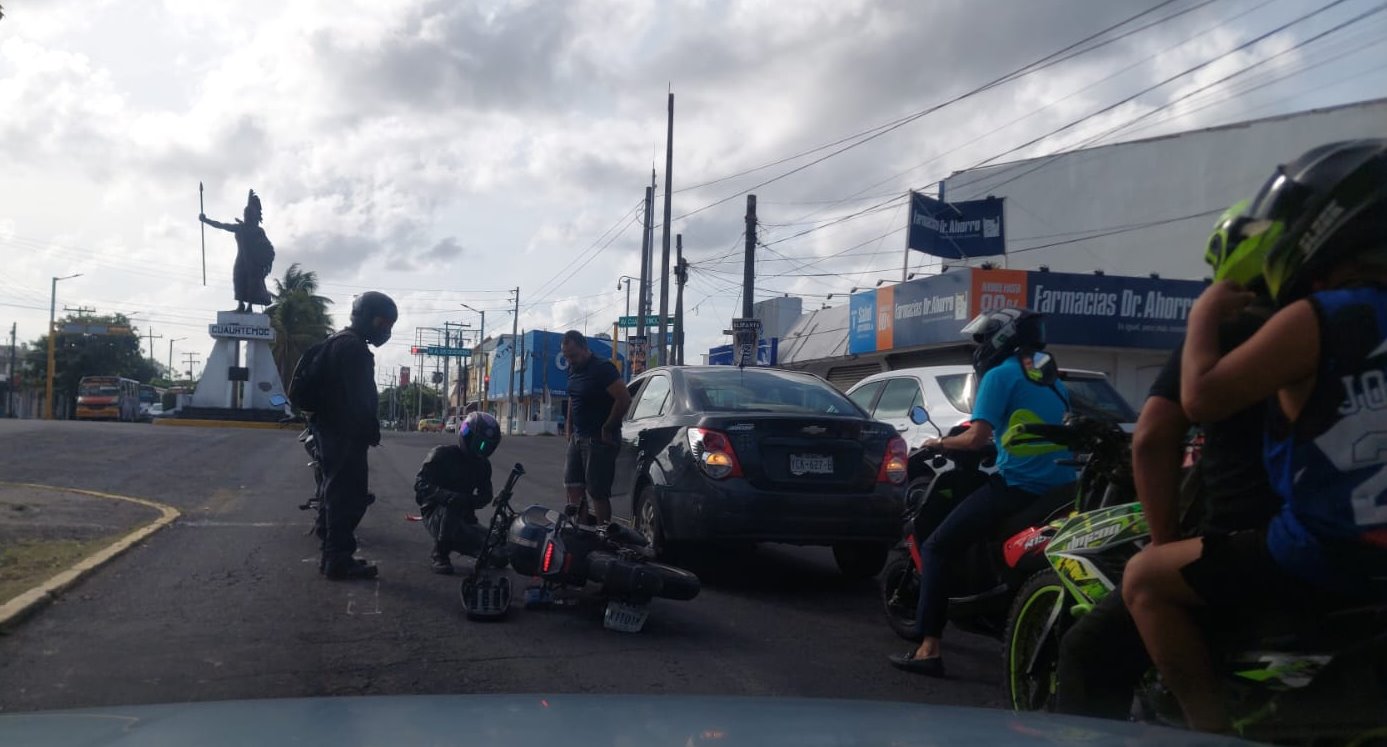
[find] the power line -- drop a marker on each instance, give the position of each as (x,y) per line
(1254,40)
(874,133)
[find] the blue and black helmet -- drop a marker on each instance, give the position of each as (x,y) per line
(479,434)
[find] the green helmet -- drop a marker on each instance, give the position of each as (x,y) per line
(1234,253)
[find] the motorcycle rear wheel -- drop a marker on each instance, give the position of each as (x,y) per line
(900,593)
(1033,632)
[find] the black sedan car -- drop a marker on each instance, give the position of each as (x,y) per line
(715,454)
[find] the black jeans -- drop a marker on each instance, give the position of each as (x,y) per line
(974,520)
(1101,661)
(344,492)
(454,530)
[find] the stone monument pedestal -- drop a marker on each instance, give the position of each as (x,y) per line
(240,376)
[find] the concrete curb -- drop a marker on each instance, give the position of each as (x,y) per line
(19,608)
(194,423)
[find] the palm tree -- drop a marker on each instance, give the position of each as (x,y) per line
(300,317)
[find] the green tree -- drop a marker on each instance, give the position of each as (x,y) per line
(406,403)
(300,317)
(77,355)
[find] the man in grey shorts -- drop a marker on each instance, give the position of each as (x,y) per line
(597,402)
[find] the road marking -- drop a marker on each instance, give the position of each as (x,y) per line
(200,523)
(375,599)
(26,603)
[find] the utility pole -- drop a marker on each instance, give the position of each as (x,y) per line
(191,360)
(151,337)
(514,330)
(643,300)
(524,405)
(171,342)
(664,256)
(447,364)
(9,390)
(419,378)
(681,274)
(749,263)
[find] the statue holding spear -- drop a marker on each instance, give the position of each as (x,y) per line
(254,254)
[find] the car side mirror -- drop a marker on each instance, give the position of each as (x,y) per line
(918,415)
(278,400)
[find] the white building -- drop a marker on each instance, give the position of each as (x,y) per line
(1131,209)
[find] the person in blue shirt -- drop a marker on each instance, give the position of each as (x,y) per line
(1321,364)
(1018,383)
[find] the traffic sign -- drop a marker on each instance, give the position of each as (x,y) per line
(631,322)
(444,352)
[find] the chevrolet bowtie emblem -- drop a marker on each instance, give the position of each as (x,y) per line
(813,430)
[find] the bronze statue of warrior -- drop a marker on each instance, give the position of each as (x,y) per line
(254,255)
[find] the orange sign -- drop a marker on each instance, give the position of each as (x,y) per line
(996,289)
(886,315)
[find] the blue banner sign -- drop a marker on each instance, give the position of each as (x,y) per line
(956,230)
(1094,310)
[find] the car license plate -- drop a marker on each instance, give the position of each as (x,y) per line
(811,464)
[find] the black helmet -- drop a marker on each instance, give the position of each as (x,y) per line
(1327,206)
(368,307)
(1000,334)
(479,434)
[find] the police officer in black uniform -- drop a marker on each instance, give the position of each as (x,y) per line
(452,484)
(347,425)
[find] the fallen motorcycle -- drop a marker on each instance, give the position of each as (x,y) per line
(563,553)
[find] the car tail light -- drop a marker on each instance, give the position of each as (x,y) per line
(895,463)
(713,452)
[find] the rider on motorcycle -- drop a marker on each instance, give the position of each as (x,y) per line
(1018,383)
(452,484)
(1323,356)
(1102,659)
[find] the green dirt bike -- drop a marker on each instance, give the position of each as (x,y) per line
(1293,678)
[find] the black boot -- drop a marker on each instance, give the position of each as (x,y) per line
(342,569)
(441,563)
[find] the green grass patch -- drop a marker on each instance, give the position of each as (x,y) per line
(28,563)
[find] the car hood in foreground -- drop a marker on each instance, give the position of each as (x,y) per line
(568,720)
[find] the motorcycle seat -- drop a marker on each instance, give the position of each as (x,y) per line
(1053,505)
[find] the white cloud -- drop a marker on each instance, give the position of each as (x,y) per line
(435,146)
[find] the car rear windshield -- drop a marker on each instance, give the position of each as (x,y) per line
(738,390)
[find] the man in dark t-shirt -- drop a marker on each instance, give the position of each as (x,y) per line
(597,401)
(1102,657)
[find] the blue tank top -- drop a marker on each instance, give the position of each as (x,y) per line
(1330,466)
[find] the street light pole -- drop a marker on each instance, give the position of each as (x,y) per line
(52,349)
(481,333)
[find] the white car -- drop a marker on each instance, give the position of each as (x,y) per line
(946,393)
(451,425)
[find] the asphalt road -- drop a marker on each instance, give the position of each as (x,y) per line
(227,603)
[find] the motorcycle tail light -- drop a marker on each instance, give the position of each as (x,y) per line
(547,564)
(895,462)
(714,454)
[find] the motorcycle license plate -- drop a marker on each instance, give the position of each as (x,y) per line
(811,464)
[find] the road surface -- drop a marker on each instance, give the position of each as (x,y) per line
(227,602)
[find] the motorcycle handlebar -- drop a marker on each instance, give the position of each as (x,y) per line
(516,473)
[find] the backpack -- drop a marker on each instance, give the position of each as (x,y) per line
(307,385)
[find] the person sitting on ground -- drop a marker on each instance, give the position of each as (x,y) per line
(453,482)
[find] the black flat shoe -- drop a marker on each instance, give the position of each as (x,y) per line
(932,666)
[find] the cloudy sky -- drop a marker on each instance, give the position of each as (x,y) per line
(446,151)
